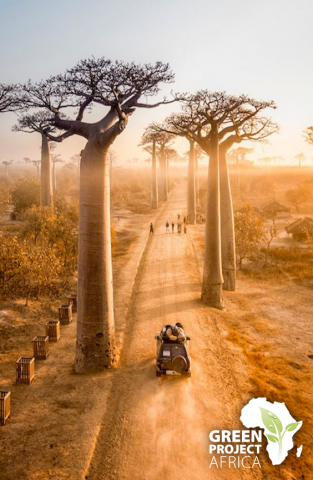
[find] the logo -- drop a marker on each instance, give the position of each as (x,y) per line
(277,423)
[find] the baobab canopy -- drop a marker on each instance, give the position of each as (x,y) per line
(117,85)
(232,115)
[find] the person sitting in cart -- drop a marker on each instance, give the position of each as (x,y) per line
(174,333)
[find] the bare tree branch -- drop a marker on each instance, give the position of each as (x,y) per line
(117,85)
(205,111)
(308,134)
(8,100)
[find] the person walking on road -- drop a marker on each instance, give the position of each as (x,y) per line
(151,228)
(185,229)
(167,225)
(173,227)
(179,228)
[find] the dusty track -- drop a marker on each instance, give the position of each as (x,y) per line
(159,428)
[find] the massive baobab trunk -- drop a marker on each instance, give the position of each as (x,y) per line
(197,179)
(46,193)
(163,175)
(95,346)
(168,173)
(227,225)
(212,270)
(191,200)
(238,175)
(154,178)
(54,178)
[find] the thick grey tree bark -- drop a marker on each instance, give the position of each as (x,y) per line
(227,225)
(95,346)
(163,174)
(154,178)
(46,193)
(212,270)
(191,194)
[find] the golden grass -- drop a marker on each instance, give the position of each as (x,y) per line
(284,264)
(282,380)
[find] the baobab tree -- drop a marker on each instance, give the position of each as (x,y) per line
(39,122)
(194,153)
(308,134)
(238,155)
(300,157)
(176,126)
(74,163)
(8,103)
(170,154)
(6,164)
(276,159)
(117,87)
(265,160)
(55,158)
(208,119)
(160,141)
(255,129)
(164,140)
(149,141)
(198,153)
(198,156)
(37,164)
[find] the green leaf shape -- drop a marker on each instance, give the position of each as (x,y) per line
(272,438)
(270,420)
(292,426)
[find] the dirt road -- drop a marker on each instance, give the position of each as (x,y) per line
(158,429)
(126,424)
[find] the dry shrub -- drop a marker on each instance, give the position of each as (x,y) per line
(284,264)
(281,380)
(131,190)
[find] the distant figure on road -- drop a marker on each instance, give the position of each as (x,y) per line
(179,228)
(151,228)
(173,227)
(185,229)
(167,225)
(185,220)
(178,216)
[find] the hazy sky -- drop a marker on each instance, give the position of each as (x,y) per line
(263,49)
